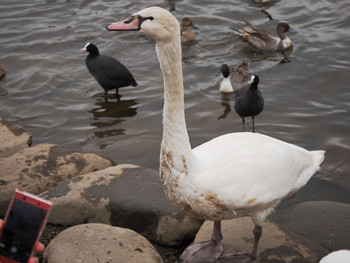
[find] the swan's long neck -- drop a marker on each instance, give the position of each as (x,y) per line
(175,147)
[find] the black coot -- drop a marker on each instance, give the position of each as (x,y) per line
(109,72)
(249,101)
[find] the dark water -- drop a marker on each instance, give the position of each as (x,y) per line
(53,96)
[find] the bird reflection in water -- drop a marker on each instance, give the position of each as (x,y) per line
(111,112)
(225,102)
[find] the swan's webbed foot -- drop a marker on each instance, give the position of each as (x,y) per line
(208,251)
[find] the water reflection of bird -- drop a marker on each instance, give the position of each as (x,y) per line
(107,71)
(249,101)
(236,78)
(225,102)
(234,175)
(109,113)
(2,71)
(187,35)
(264,40)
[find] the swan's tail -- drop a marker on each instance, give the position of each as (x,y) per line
(318,156)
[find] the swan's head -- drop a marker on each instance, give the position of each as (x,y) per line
(154,22)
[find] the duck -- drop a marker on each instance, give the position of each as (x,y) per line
(339,256)
(249,102)
(236,78)
(108,72)
(233,175)
(187,35)
(264,40)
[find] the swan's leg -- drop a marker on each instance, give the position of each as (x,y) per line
(253,123)
(208,251)
(257,234)
(245,258)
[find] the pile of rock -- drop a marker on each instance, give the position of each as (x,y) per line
(116,212)
(86,188)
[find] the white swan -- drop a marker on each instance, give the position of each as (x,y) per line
(340,256)
(234,175)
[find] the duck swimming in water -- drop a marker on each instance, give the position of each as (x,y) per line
(236,78)
(233,175)
(187,35)
(264,40)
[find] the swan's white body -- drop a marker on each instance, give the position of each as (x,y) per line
(340,256)
(238,174)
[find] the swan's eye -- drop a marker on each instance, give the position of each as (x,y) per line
(151,18)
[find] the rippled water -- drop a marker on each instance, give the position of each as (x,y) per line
(53,96)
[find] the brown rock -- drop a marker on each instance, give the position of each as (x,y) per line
(100,243)
(42,167)
(13,138)
(275,246)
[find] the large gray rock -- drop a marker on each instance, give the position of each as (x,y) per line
(125,195)
(323,222)
(100,243)
(13,138)
(275,246)
(39,168)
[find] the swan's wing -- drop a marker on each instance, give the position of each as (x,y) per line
(249,169)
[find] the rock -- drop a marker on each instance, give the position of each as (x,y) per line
(2,71)
(13,138)
(125,195)
(275,246)
(100,243)
(323,222)
(42,167)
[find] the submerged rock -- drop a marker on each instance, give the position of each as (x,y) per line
(100,243)
(125,195)
(323,222)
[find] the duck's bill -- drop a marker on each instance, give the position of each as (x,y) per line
(128,24)
(292,30)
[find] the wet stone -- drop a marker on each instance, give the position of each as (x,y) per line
(323,222)
(275,246)
(41,167)
(13,138)
(125,195)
